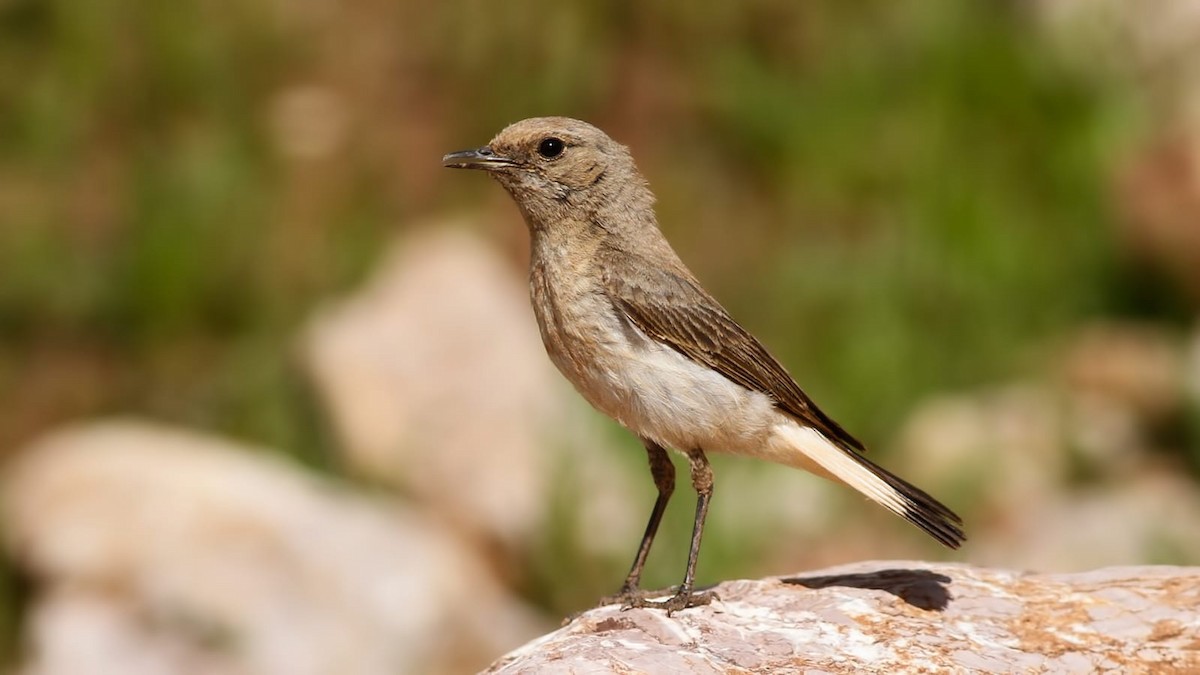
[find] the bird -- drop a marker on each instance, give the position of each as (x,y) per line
(630,326)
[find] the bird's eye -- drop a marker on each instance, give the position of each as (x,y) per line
(550,147)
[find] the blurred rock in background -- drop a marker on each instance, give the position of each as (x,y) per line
(1004,446)
(437,383)
(1144,515)
(1070,473)
(1125,385)
(157,550)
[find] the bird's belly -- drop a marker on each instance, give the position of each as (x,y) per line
(660,394)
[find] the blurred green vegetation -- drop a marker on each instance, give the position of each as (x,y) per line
(900,198)
(918,190)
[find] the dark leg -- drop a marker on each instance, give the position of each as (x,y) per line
(663,472)
(702,481)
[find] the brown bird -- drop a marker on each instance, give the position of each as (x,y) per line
(632,329)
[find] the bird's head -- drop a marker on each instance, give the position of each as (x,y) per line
(557,168)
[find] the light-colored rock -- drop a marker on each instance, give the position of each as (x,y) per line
(1007,445)
(897,617)
(1148,515)
(84,631)
(160,551)
(1017,444)
(1122,382)
(1120,33)
(438,383)
(1066,475)
(1133,366)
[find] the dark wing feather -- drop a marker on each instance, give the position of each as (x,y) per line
(674,309)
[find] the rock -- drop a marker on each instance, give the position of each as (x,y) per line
(80,631)
(1133,366)
(1116,384)
(891,617)
(1149,515)
(1132,35)
(161,551)
(438,383)
(1004,446)
(1074,474)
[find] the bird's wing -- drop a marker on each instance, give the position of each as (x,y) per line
(675,310)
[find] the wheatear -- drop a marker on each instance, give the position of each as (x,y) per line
(626,322)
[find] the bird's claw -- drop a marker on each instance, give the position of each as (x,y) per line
(680,601)
(628,598)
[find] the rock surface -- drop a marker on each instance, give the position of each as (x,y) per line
(897,617)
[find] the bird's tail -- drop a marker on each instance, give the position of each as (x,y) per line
(806,448)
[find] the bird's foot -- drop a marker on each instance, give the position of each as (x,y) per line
(681,600)
(628,597)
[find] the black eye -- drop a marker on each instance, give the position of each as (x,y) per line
(550,147)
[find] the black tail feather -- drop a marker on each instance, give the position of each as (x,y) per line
(922,510)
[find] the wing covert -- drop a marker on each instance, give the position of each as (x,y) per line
(677,311)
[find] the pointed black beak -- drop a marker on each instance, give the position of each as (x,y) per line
(479,158)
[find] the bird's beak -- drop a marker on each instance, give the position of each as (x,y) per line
(479,158)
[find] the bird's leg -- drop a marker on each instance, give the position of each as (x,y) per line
(702,481)
(663,472)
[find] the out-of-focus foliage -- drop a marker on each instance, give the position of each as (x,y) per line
(900,198)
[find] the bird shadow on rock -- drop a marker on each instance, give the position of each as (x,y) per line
(920,588)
